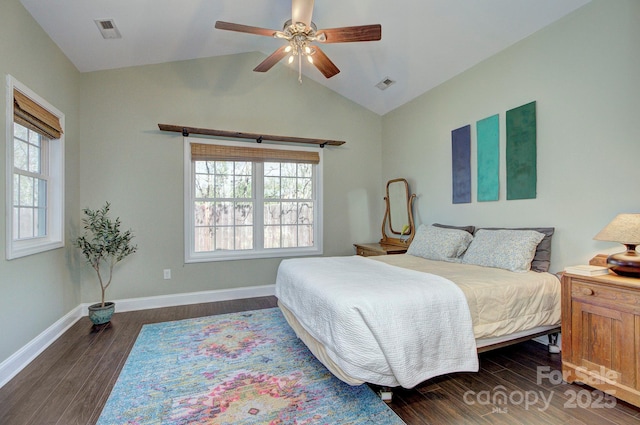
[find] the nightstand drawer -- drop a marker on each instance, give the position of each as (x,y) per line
(584,291)
(368,252)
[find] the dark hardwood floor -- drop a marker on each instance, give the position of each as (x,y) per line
(70,382)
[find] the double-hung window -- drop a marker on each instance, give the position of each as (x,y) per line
(35,173)
(247,201)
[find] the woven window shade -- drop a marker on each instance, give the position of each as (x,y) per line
(206,152)
(28,113)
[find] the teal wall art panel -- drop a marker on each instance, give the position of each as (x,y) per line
(521,152)
(461,164)
(488,140)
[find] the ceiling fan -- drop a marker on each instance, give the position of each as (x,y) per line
(300,32)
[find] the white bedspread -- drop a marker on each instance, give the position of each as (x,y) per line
(380,323)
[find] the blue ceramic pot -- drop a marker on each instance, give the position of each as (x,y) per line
(100,315)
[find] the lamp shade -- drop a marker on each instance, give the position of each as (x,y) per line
(624,228)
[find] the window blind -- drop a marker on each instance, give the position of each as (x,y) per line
(28,113)
(210,152)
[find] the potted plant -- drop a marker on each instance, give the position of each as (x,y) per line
(103,243)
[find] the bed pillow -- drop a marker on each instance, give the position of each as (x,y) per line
(505,249)
(469,229)
(542,258)
(437,243)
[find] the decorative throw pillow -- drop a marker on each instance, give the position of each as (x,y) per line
(436,243)
(542,258)
(506,249)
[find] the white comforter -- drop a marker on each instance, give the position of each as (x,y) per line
(380,323)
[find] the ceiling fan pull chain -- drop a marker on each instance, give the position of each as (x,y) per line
(300,67)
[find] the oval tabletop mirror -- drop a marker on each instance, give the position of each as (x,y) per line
(397,225)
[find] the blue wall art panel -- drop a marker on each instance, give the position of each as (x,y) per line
(461,164)
(488,140)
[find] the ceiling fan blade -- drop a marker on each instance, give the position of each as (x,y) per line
(221,25)
(273,59)
(301,11)
(350,34)
(324,64)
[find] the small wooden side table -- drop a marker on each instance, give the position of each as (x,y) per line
(372,249)
(601,333)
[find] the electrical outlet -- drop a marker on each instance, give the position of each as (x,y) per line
(167,273)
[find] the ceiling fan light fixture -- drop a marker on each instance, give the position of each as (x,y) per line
(300,31)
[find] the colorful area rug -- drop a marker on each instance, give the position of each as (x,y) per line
(238,369)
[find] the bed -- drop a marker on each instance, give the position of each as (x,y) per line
(399,320)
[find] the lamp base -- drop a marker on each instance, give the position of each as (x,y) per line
(625,263)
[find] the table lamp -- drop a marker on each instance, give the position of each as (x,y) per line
(625,229)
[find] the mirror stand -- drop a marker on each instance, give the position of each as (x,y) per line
(398,217)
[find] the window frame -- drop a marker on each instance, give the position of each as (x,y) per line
(54,156)
(258,191)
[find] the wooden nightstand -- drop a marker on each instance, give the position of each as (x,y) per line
(372,249)
(601,333)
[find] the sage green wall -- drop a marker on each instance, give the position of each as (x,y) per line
(584,73)
(37,290)
(126,160)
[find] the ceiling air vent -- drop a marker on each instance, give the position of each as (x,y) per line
(385,83)
(108,28)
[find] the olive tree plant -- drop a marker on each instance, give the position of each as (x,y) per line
(104,243)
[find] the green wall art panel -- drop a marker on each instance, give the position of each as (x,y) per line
(521,152)
(488,140)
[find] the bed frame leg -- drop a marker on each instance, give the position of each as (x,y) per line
(553,343)
(386,394)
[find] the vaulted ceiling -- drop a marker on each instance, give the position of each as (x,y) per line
(424,42)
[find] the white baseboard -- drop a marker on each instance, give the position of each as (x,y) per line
(21,358)
(159,301)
